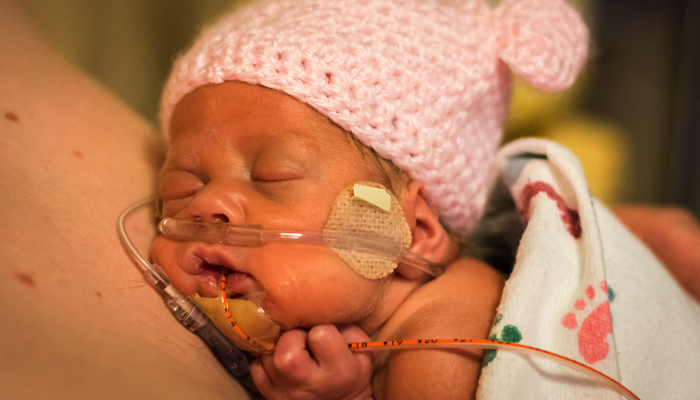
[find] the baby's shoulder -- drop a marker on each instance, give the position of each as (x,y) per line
(460,303)
(468,291)
(463,277)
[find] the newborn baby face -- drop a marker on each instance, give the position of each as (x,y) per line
(245,154)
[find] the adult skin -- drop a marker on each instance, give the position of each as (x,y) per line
(673,235)
(78,321)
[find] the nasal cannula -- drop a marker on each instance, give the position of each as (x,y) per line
(236,361)
(251,236)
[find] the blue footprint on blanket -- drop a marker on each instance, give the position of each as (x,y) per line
(509,333)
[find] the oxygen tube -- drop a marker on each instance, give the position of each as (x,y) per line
(234,360)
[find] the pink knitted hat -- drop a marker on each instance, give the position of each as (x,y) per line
(424,84)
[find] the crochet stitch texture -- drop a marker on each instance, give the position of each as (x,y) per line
(422,83)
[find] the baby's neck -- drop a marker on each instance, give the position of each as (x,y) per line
(396,290)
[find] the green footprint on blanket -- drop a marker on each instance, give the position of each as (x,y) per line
(595,327)
(509,333)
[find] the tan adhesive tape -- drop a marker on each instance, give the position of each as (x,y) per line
(368,209)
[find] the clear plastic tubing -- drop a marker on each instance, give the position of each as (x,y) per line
(253,236)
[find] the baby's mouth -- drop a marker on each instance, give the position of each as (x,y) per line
(207,269)
(209,280)
(239,316)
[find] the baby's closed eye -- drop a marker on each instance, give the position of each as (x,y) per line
(179,184)
(276,183)
(276,175)
(176,189)
(281,180)
(277,169)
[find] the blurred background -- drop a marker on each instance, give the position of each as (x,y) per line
(633,119)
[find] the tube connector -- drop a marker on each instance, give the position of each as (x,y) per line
(186,312)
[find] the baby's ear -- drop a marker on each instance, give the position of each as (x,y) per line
(543,41)
(429,238)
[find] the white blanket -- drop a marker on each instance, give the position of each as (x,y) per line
(582,286)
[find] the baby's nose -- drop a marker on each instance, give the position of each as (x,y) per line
(217,204)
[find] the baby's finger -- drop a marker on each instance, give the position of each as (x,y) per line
(291,360)
(339,367)
(353,334)
(329,347)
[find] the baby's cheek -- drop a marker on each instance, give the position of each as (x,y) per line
(281,300)
(163,254)
(302,293)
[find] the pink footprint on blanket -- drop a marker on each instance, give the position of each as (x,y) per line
(595,326)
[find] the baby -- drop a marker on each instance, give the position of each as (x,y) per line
(282,105)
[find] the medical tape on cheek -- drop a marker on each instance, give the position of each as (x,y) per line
(359,215)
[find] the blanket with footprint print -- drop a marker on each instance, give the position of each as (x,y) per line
(582,286)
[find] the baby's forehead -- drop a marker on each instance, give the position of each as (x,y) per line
(303,135)
(247,106)
(261,127)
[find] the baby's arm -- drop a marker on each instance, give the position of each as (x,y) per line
(459,304)
(315,365)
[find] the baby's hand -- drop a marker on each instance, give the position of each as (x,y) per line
(315,365)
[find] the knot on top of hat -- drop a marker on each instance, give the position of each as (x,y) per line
(543,41)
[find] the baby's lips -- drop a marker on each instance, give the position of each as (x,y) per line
(238,283)
(199,257)
(208,281)
(201,276)
(206,265)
